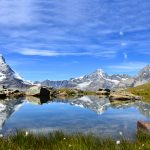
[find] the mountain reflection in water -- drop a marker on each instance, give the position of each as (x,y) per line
(85,114)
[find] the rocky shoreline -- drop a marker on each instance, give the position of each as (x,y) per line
(11,93)
(40,92)
(123,96)
(50,93)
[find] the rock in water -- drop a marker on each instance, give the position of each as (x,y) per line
(38,91)
(33,91)
(143,125)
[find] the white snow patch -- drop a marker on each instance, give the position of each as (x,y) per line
(118,77)
(2,76)
(114,81)
(100,72)
(80,77)
(18,76)
(85,99)
(30,82)
(100,111)
(79,105)
(38,84)
(2,107)
(84,84)
(124,79)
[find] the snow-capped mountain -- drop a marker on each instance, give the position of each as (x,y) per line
(93,81)
(100,79)
(7,108)
(143,76)
(99,105)
(96,80)
(9,78)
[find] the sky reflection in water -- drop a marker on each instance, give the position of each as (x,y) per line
(86,115)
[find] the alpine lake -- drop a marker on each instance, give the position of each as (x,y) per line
(87,114)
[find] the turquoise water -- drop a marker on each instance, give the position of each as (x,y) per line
(86,115)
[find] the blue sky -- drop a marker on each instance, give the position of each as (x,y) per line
(60,39)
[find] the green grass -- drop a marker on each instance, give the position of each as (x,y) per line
(142,90)
(71,92)
(61,141)
(67,91)
(89,92)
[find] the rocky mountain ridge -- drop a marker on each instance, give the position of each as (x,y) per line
(93,81)
(9,78)
(100,79)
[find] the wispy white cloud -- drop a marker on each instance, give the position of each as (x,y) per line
(121,33)
(16,13)
(50,53)
(129,66)
(123,43)
(33,52)
(72,28)
(125,55)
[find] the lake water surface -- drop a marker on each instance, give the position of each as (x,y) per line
(87,114)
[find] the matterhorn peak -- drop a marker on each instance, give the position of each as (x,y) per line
(2,59)
(10,78)
(1,56)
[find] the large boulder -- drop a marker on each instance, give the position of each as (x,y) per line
(143,126)
(33,100)
(38,91)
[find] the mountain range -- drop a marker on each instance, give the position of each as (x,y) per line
(100,79)
(93,81)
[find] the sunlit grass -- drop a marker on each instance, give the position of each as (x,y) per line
(61,141)
(142,90)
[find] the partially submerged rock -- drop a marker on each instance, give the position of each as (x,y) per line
(123,96)
(38,91)
(33,91)
(143,125)
(33,99)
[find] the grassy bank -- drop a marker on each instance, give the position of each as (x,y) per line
(71,93)
(142,90)
(60,141)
